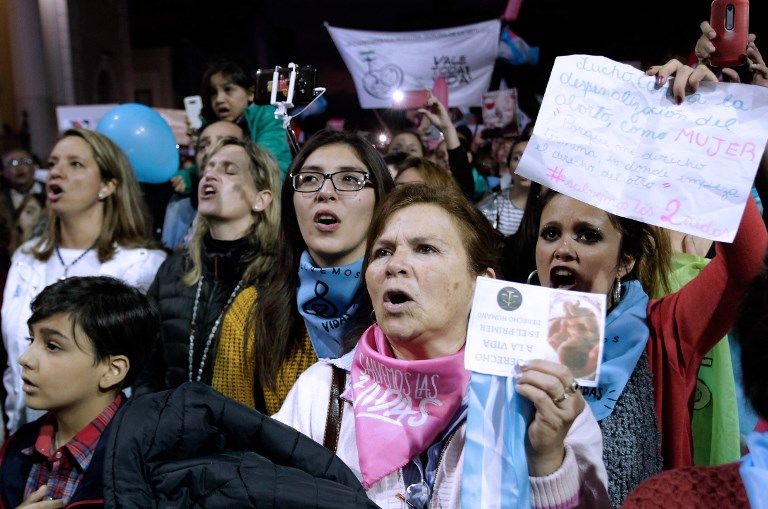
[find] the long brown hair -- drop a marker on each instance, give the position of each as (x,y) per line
(274,321)
(126,222)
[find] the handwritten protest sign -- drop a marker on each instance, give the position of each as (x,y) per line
(512,322)
(606,135)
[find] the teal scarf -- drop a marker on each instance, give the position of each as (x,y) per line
(754,470)
(327,299)
(626,334)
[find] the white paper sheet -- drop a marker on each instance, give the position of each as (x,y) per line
(606,135)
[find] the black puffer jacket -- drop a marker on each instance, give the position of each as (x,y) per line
(223,265)
(192,447)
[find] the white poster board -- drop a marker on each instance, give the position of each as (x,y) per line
(608,136)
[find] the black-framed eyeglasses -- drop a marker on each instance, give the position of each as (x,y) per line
(21,162)
(344,180)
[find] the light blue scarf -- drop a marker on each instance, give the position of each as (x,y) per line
(495,466)
(754,470)
(327,299)
(626,334)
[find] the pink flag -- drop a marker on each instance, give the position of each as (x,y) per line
(440,90)
(512,10)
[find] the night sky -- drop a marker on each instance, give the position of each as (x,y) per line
(265,34)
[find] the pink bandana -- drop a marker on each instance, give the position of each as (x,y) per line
(401,406)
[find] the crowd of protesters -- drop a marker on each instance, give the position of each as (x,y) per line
(271,343)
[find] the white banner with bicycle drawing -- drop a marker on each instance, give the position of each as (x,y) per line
(384,62)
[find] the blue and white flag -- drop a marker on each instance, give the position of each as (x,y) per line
(384,62)
(495,466)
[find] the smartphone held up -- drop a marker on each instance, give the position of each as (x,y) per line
(730,21)
(193,106)
(293,84)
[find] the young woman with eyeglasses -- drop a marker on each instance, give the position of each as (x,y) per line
(314,299)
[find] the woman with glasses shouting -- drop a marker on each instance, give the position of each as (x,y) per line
(314,300)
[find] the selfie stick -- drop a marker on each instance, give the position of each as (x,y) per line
(282,106)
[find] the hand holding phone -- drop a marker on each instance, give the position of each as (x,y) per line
(193,105)
(730,21)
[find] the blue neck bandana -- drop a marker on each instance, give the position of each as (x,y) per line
(327,299)
(754,470)
(626,334)
(495,466)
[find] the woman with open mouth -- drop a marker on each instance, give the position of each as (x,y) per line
(406,398)
(98,224)
(232,249)
(653,348)
(315,298)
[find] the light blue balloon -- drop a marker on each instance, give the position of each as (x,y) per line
(146,139)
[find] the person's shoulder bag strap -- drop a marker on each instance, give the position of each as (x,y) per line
(335,409)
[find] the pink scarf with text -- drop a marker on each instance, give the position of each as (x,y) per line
(401,406)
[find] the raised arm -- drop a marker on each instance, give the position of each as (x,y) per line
(704,310)
(460,168)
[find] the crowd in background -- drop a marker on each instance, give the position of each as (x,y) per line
(282,282)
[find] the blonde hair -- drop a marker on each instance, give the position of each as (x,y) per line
(126,220)
(263,233)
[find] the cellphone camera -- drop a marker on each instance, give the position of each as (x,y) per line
(286,87)
(292,86)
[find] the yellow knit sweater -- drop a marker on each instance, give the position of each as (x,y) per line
(234,364)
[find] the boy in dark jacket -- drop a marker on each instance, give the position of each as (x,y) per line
(89,337)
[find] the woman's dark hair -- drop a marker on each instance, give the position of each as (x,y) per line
(750,331)
(519,251)
(415,134)
(232,70)
(646,244)
(274,321)
(117,318)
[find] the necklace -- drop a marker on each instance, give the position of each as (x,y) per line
(68,266)
(193,328)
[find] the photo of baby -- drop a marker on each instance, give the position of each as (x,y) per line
(575,329)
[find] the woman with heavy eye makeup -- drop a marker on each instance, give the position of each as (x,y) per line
(653,347)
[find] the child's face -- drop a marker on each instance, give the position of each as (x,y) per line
(59,373)
(228,100)
(30,216)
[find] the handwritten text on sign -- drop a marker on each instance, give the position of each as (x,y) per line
(606,135)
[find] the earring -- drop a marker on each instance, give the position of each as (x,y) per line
(256,207)
(533,274)
(373,316)
(101,196)
(617,291)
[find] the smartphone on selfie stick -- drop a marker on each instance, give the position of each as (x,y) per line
(284,88)
(730,21)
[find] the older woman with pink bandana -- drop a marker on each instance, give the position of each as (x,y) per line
(403,392)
